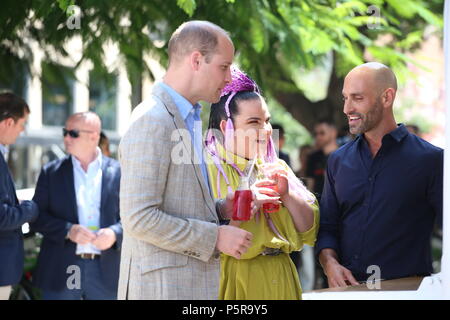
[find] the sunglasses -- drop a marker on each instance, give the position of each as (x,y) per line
(74,133)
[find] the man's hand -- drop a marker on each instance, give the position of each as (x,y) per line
(338,275)
(233,241)
(105,239)
(81,235)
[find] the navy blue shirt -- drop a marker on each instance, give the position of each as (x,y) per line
(381,211)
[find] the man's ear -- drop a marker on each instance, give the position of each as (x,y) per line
(195,60)
(388,97)
(9,122)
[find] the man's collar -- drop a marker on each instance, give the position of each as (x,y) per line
(183,105)
(3,150)
(397,134)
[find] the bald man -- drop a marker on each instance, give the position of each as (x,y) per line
(172,236)
(383,191)
(78,199)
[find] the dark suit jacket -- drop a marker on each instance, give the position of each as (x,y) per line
(12,216)
(285,157)
(55,196)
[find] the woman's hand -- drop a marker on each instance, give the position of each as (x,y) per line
(300,211)
(277,175)
(265,193)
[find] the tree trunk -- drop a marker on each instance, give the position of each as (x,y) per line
(308,113)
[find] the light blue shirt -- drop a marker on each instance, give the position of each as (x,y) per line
(4,150)
(88,192)
(191,116)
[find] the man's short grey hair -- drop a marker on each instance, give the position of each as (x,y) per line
(202,36)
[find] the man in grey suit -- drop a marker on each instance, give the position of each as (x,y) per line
(172,238)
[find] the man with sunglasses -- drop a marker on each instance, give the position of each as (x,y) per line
(78,198)
(13,116)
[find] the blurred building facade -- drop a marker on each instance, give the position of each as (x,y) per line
(421,100)
(54,90)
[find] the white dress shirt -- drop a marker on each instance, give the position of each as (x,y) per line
(88,191)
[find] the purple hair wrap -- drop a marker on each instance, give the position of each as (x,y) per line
(239,82)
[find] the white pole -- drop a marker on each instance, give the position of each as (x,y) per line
(445,266)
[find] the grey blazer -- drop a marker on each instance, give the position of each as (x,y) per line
(168,215)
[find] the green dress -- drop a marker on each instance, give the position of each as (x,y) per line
(256,276)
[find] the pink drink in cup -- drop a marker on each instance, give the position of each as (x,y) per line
(271,207)
(242,204)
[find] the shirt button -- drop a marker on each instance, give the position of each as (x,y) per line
(356,257)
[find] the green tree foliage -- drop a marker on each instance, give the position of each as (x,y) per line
(277,41)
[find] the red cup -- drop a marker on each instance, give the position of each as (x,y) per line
(271,207)
(242,205)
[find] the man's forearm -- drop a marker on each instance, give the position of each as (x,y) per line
(328,256)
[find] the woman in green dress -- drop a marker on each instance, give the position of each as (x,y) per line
(239,134)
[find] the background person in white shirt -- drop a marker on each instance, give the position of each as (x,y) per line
(79,200)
